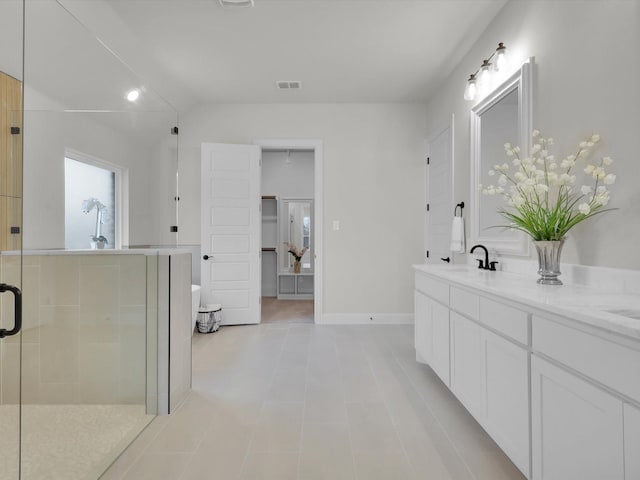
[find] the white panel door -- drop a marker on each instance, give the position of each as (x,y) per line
(230,231)
(439,212)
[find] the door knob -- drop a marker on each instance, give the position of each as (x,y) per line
(206,257)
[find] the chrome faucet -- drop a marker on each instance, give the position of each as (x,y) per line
(486,264)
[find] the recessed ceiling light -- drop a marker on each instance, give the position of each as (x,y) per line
(133,95)
(236,3)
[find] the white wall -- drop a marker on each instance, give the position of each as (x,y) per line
(587,57)
(49,132)
(373,175)
(293,179)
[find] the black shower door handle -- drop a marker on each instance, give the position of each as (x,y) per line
(17,311)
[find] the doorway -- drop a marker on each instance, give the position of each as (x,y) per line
(288,230)
(291,185)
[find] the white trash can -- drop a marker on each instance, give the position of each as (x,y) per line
(209,318)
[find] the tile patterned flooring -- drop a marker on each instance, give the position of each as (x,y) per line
(303,401)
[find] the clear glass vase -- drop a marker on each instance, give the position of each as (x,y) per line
(296,266)
(549,261)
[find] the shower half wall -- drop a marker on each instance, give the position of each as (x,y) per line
(95,354)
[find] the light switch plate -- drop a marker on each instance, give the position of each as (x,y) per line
(336,224)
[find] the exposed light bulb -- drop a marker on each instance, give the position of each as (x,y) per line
(484,77)
(500,59)
(484,72)
(133,95)
(470,89)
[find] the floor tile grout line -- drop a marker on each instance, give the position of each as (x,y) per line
(395,428)
(304,411)
(387,359)
(346,411)
(435,417)
(250,446)
(144,449)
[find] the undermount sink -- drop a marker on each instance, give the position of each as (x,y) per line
(624,312)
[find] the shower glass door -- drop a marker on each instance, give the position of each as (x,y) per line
(11,74)
(88,350)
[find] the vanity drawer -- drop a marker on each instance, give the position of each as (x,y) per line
(432,288)
(507,320)
(465,302)
(607,362)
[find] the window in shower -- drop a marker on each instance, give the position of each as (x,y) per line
(92,202)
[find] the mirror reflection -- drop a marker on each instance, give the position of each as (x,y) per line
(297,227)
(503,116)
(499,125)
(85,141)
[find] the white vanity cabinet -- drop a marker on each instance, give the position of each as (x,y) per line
(460,337)
(555,384)
(466,368)
(577,427)
(490,372)
(579,380)
(631,441)
(432,327)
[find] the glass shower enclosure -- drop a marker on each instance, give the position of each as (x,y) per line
(77,379)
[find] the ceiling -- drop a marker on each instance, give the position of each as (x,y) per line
(341,50)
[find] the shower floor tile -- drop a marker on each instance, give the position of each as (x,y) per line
(71,442)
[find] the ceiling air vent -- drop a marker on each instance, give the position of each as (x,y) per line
(236,3)
(289,84)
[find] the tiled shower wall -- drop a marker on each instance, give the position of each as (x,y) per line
(84,329)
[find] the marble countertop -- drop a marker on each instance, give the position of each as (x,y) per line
(614,312)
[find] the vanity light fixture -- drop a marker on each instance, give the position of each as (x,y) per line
(133,95)
(484,76)
(501,57)
(479,79)
(470,89)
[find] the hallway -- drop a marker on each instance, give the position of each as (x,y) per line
(304,401)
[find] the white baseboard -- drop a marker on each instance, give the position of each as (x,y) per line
(367,319)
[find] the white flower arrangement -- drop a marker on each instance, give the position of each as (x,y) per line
(293,250)
(542,193)
(101,210)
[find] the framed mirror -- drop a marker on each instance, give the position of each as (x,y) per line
(504,115)
(296,227)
